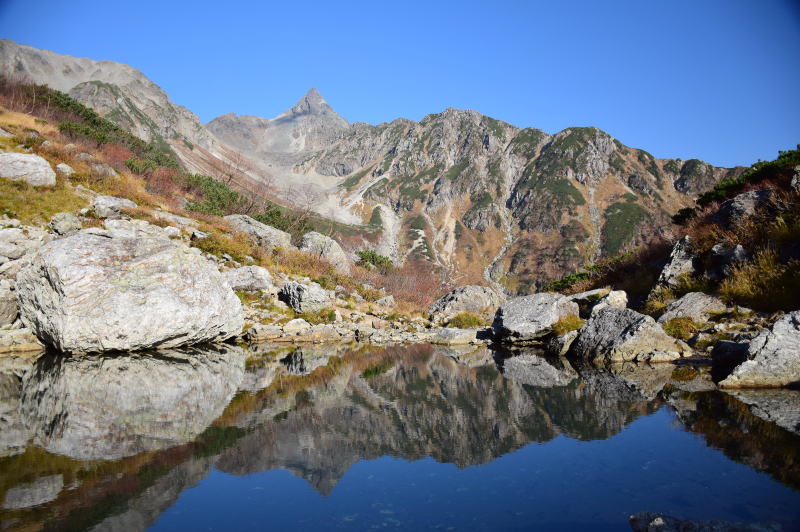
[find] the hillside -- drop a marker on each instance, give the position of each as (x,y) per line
(483,200)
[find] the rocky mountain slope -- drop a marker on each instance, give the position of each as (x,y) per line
(487,201)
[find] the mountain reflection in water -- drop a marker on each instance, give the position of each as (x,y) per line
(100,443)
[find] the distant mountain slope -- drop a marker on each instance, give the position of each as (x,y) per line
(486,200)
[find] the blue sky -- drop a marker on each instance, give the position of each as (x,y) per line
(713,79)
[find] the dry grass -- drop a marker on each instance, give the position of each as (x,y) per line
(567,324)
(466,320)
(681,328)
(37,204)
(765,283)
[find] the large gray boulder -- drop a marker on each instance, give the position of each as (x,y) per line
(474,299)
(681,262)
(742,207)
(528,318)
(264,235)
(304,297)
(8,303)
(773,357)
(621,335)
(111,206)
(122,289)
(325,248)
(249,279)
(694,305)
(28,167)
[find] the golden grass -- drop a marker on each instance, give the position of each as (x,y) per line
(681,328)
(466,320)
(567,324)
(765,283)
(37,204)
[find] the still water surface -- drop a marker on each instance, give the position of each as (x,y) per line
(403,438)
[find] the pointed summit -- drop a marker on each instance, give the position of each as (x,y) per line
(312,104)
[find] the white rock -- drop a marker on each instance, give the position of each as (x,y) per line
(694,305)
(773,357)
(325,248)
(531,317)
(111,206)
(28,167)
(119,290)
(265,236)
(64,169)
(249,279)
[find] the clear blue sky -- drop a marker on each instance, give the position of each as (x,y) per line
(713,79)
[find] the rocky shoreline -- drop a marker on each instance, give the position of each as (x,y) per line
(126,285)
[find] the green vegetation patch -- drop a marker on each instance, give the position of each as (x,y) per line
(466,320)
(567,324)
(681,328)
(621,225)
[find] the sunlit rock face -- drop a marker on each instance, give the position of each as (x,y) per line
(96,407)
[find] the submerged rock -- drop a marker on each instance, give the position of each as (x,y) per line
(657,522)
(620,335)
(531,317)
(28,167)
(773,357)
(118,289)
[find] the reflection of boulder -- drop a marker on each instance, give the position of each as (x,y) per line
(40,491)
(740,430)
(468,355)
(14,434)
(535,370)
(302,361)
(97,407)
(652,522)
(781,407)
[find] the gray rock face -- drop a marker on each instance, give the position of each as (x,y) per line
(615,299)
(249,279)
(122,290)
(65,223)
(530,317)
(8,303)
(474,299)
(742,207)
(773,357)
(694,305)
(681,262)
(16,242)
(325,248)
(620,335)
(536,371)
(559,345)
(28,167)
(386,301)
(264,235)
(304,298)
(111,206)
(723,258)
(99,407)
(65,169)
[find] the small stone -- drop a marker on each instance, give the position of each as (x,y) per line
(64,169)
(65,223)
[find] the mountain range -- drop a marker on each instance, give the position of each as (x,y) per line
(485,200)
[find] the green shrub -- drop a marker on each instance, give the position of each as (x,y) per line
(322,316)
(140,166)
(370,259)
(218,197)
(466,320)
(622,224)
